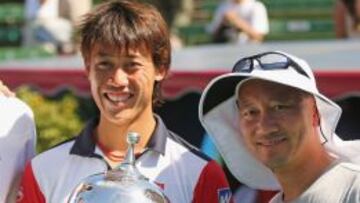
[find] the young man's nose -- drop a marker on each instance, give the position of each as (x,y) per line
(120,77)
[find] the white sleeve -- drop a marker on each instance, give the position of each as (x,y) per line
(18,139)
(30,146)
(27,153)
(29,129)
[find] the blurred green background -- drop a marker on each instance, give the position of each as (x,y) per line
(58,118)
(289,20)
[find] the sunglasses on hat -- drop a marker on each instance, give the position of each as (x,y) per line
(268,61)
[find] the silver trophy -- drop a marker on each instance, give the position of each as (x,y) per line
(124,184)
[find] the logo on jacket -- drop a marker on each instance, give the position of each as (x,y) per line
(20,194)
(224,195)
(161,185)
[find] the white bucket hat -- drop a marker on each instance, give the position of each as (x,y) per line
(219,116)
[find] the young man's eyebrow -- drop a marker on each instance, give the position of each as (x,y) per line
(104,54)
(107,54)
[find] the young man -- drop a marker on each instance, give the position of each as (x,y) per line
(276,131)
(126,51)
(17,142)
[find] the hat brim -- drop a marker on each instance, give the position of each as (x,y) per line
(221,91)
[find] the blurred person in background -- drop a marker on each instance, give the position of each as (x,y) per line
(17,142)
(275,130)
(74,10)
(126,51)
(239,22)
(177,13)
(182,18)
(51,23)
(46,27)
(347,18)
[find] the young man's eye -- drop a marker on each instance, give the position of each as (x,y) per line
(132,66)
(104,65)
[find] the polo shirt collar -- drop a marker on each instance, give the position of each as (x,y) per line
(157,140)
(85,144)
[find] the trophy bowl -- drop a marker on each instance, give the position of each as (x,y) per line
(124,184)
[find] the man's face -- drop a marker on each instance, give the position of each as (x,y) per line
(276,122)
(122,83)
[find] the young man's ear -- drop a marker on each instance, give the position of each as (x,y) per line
(87,68)
(160,73)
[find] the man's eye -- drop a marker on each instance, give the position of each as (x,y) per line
(280,107)
(248,113)
(104,65)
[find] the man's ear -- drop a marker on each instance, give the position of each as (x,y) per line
(315,116)
(160,73)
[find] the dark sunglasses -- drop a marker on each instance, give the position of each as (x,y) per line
(268,61)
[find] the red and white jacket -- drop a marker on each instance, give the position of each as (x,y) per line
(185,174)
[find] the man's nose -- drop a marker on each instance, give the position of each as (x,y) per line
(119,77)
(267,123)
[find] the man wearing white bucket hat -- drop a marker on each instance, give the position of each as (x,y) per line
(275,131)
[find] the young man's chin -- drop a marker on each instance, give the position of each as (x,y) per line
(121,117)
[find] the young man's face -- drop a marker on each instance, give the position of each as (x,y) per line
(276,122)
(122,83)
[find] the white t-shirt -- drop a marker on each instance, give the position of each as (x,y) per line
(17,144)
(340,184)
(252,11)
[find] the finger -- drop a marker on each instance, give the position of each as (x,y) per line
(5,91)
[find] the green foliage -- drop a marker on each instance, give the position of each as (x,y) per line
(56,119)
(95,2)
